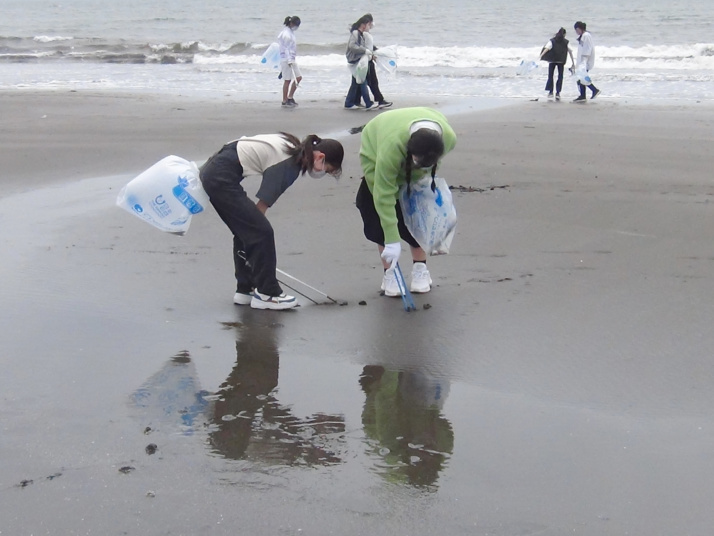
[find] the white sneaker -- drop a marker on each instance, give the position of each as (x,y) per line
(239,298)
(389,283)
(421,280)
(263,301)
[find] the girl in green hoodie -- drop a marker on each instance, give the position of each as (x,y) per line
(398,147)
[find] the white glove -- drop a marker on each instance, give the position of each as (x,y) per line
(391,253)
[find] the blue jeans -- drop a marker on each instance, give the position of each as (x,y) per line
(551,72)
(354,93)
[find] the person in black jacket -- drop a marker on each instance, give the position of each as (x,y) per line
(555,52)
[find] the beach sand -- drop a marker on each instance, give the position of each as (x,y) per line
(566,343)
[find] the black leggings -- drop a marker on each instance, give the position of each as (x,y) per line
(253,239)
(372,225)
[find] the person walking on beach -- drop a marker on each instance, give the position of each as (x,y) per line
(398,147)
(280,159)
(289,70)
(372,80)
(586,59)
(555,52)
(356,49)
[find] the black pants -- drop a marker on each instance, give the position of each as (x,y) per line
(551,72)
(582,87)
(373,82)
(253,239)
(372,225)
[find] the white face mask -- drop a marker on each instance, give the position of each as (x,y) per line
(317,173)
(418,165)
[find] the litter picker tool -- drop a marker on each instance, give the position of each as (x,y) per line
(295,80)
(296,280)
(407,299)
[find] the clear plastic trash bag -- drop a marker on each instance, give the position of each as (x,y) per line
(166,195)
(359,69)
(581,74)
(386,58)
(429,215)
(525,67)
(271,56)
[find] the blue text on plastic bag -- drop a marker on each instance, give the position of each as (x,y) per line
(429,215)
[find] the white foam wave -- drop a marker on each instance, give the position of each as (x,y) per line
(680,57)
(51,38)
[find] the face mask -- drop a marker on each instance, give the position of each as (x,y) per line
(418,165)
(316,174)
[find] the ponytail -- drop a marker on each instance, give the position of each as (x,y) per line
(303,151)
(307,155)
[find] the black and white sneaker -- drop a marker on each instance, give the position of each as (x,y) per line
(263,301)
(580,99)
(292,102)
(384,104)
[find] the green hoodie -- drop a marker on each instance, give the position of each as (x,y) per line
(383,155)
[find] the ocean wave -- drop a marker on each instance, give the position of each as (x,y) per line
(51,38)
(45,48)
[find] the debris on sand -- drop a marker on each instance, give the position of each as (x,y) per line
(467,189)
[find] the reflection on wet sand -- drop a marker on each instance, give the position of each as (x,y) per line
(248,421)
(171,399)
(409,440)
(402,415)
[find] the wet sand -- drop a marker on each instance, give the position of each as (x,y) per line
(558,383)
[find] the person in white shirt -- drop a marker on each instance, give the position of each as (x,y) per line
(279,159)
(289,70)
(586,59)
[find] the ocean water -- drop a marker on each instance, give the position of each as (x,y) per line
(646,49)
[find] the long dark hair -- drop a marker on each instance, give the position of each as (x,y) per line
(428,147)
(303,153)
(560,36)
(364,19)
